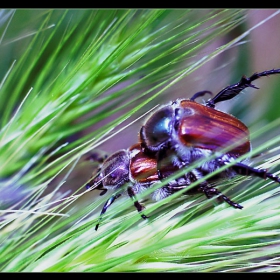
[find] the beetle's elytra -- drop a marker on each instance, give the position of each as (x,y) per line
(175,136)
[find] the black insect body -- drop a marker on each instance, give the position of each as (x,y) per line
(177,135)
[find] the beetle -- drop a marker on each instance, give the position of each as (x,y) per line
(184,131)
(136,171)
(130,167)
(176,135)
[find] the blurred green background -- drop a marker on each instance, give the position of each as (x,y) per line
(71,78)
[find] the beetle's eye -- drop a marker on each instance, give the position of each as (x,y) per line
(158,128)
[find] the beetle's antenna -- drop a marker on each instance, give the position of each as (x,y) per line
(231,91)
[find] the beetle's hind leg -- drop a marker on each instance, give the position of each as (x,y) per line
(199,94)
(205,188)
(241,169)
(245,170)
(211,192)
(232,90)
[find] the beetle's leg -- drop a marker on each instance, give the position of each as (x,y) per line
(105,207)
(103,190)
(210,192)
(95,157)
(199,94)
(137,204)
(97,180)
(204,188)
(245,170)
(231,91)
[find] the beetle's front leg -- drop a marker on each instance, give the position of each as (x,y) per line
(105,207)
(97,182)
